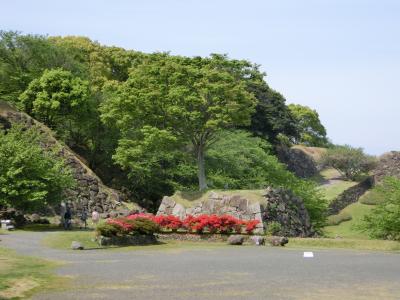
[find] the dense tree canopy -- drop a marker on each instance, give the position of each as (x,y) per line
(311,131)
(30,177)
(155,123)
(180,103)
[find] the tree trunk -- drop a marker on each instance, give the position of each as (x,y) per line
(201,172)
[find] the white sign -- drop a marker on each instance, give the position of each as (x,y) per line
(308,254)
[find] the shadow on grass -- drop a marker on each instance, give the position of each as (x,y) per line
(52,228)
(158,243)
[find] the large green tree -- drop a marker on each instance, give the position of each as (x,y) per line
(311,131)
(59,99)
(272,117)
(186,102)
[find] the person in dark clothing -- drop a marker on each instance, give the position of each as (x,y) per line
(67,219)
(84,217)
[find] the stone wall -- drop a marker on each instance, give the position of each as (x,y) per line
(298,162)
(276,205)
(349,196)
(218,204)
(388,165)
(283,207)
(89,193)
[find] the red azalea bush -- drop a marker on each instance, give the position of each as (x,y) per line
(202,223)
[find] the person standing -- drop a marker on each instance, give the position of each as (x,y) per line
(95,217)
(67,219)
(84,217)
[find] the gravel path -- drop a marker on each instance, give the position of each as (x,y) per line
(218,272)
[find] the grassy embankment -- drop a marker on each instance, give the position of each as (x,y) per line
(22,276)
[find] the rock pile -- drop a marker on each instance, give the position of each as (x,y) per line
(388,165)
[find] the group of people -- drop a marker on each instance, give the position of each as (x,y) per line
(67,218)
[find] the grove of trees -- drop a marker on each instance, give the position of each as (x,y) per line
(156,123)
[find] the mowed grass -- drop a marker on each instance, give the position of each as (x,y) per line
(22,276)
(332,191)
(347,229)
(336,185)
(346,243)
(63,240)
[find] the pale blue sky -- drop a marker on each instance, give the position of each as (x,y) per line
(340,57)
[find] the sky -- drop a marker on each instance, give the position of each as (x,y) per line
(341,57)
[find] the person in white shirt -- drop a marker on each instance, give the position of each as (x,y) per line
(95,217)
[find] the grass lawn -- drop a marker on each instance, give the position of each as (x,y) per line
(332,191)
(345,243)
(63,241)
(346,229)
(22,276)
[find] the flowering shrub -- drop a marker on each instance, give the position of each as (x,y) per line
(125,226)
(251,225)
(169,222)
(198,224)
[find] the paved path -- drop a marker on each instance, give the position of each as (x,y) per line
(218,273)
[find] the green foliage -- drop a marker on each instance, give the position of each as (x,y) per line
(56,98)
(339,218)
(312,132)
(185,102)
(118,227)
(272,119)
(143,226)
(274,228)
(23,58)
(30,177)
(107,230)
(153,122)
(238,161)
(384,221)
(349,161)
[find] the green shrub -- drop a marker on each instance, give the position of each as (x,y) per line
(107,230)
(339,218)
(274,228)
(143,226)
(384,221)
(31,177)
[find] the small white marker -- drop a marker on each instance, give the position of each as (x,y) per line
(308,255)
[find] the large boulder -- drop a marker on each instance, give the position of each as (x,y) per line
(277,240)
(77,246)
(236,240)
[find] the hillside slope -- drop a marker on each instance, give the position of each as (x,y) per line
(90,193)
